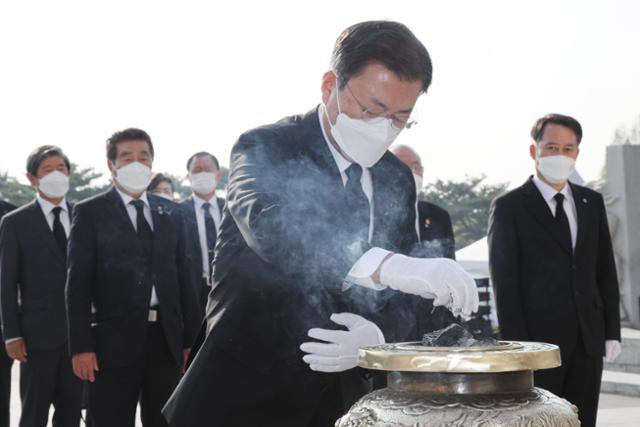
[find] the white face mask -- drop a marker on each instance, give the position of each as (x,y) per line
(54,184)
(556,169)
(418,180)
(203,182)
(134,177)
(365,142)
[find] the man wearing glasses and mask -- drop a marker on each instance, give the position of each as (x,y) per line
(309,262)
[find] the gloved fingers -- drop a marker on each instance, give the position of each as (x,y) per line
(329,335)
(443,299)
(322,349)
(314,359)
(350,320)
(326,368)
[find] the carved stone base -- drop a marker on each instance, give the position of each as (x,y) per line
(393,408)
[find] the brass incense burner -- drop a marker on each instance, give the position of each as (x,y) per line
(486,386)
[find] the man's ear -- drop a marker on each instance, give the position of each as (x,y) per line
(532,151)
(32,179)
(329,83)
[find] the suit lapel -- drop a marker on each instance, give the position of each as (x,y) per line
(581,201)
(159,215)
(540,210)
(42,229)
(121,217)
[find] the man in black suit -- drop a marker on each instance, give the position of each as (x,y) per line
(131,306)
(33,253)
(5,361)
(317,216)
(434,222)
(202,213)
(553,270)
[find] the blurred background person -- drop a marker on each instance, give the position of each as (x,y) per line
(202,215)
(5,361)
(33,273)
(161,185)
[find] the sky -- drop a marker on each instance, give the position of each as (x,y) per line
(197,74)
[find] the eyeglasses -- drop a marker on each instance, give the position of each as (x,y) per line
(402,121)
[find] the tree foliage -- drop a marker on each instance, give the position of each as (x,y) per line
(468,204)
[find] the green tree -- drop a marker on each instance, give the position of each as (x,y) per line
(468,204)
(14,192)
(82,183)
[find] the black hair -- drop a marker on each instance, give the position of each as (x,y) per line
(558,119)
(39,154)
(389,43)
(203,153)
(159,178)
(129,134)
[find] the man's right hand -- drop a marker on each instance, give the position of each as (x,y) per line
(17,350)
(442,279)
(85,365)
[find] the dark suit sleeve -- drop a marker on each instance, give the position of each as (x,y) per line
(607,279)
(80,280)
(188,286)
(503,265)
(9,279)
(281,231)
(450,242)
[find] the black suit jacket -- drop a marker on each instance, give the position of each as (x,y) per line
(282,254)
(191,224)
(32,270)
(544,291)
(436,231)
(108,268)
(4,209)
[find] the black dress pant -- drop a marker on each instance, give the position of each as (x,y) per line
(115,394)
(5,385)
(577,380)
(47,378)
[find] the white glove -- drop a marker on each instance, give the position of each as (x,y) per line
(442,279)
(612,350)
(340,351)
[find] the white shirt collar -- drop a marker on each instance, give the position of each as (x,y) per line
(548,192)
(341,162)
(47,206)
(199,201)
(126,199)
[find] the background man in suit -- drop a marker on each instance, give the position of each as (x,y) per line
(33,273)
(434,222)
(128,260)
(552,267)
(312,201)
(202,215)
(5,361)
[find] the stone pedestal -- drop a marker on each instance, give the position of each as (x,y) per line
(621,191)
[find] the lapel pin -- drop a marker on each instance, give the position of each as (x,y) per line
(584,200)
(427,222)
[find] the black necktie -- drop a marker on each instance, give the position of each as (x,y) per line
(210,229)
(58,232)
(145,234)
(562,221)
(357,203)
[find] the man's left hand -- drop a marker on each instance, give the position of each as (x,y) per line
(339,352)
(612,350)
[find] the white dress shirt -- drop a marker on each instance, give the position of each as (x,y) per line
(47,209)
(548,194)
(131,211)
(214,210)
(369,262)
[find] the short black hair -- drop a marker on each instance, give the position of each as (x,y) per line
(389,43)
(129,134)
(39,154)
(159,178)
(202,153)
(558,119)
